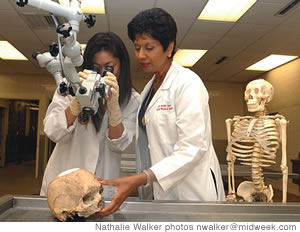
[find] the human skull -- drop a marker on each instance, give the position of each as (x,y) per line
(257,94)
(76,193)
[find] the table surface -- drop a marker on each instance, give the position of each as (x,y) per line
(35,209)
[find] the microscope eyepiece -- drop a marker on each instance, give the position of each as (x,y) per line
(108,69)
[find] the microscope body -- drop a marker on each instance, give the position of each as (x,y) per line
(89,99)
(93,92)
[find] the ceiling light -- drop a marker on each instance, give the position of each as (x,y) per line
(9,52)
(229,10)
(270,62)
(88,6)
(188,57)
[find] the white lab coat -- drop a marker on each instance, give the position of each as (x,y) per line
(80,147)
(178,127)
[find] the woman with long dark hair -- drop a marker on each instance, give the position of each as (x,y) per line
(95,144)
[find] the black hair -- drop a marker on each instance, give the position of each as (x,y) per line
(157,23)
(109,42)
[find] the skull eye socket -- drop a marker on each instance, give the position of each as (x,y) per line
(247,93)
(88,198)
(256,90)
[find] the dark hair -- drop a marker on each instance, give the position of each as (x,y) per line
(157,23)
(109,42)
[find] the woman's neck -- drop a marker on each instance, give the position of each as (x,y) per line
(160,75)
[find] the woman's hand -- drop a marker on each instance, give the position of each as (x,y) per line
(123,188)
(74,108)
(113,108)
(84,75)
(74,105)
(116,126)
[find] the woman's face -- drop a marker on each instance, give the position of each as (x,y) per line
(102,59)
(150,54)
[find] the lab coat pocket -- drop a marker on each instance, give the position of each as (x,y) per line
(167,124)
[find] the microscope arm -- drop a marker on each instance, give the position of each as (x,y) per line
(73,13)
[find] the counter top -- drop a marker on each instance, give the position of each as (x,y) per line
(35,209)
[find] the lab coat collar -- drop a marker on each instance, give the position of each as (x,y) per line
(146,89)
(143,96)
(167,82)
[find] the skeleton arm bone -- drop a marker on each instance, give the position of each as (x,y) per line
(283,166)
(230,160)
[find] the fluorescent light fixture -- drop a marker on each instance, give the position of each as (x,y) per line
(225,10)
(9,52)
(88,6)
(188,57)
(270,62)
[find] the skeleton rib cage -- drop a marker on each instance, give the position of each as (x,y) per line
(254,143)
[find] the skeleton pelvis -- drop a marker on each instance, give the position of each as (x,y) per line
(247,191)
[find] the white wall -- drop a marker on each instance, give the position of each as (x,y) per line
(226,101)
(286,101)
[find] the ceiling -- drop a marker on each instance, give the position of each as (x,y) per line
(256,35)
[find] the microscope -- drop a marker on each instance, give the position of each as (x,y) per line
(62,59)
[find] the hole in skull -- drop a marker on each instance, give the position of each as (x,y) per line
(88,198)
(100,204)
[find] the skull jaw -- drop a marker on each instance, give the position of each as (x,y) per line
(256,105)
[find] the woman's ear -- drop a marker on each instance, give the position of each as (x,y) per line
(170,49)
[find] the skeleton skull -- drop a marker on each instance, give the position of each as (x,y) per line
(257,94)
(75,193)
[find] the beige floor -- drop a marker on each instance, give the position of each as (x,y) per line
(19,179)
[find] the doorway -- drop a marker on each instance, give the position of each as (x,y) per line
(19,136)
(22,131)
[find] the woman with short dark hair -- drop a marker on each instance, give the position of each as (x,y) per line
(174,142)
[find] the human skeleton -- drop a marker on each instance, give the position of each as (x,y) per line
(255,141)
